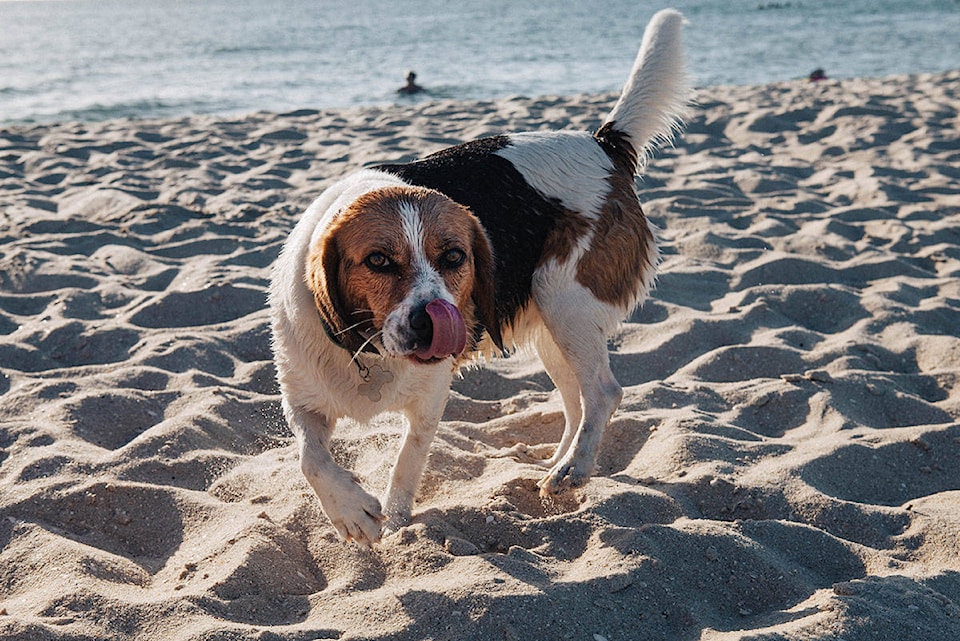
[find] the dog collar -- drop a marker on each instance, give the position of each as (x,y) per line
(367,346)
(374,377)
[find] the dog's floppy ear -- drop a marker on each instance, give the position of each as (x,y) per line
(484,289)
(323,279)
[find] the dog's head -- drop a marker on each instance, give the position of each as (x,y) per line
(407,269)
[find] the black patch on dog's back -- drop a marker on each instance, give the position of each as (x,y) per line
(516,218)
(618,147)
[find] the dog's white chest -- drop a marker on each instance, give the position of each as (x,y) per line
(368,386)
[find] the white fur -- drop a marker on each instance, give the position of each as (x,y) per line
(567,166)
(427,282)
(653,101)
(320,382)
(412,225)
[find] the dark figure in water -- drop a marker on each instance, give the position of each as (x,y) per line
(411,87)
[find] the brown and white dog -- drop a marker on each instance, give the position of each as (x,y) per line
(398,274)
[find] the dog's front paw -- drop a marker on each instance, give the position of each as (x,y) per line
(395,522)
(565,475)
(356,515)
(399,510)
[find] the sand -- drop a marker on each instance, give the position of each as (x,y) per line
(785,464)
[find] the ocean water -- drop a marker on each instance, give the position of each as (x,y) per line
(100,59)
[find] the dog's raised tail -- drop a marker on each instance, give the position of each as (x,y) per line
(655,98)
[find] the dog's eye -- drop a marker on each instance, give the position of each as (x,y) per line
(452,258)
(379,262)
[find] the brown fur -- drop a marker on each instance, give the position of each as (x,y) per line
(348,293)
(619,257)
(563,238)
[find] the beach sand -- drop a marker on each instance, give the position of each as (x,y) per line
(785,463)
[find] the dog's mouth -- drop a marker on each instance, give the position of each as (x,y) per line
(448,336)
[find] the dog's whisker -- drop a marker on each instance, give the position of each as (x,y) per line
(369,340)
(354,326)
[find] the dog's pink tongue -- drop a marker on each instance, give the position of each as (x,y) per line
(449,331)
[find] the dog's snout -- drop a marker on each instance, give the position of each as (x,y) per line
(421,325)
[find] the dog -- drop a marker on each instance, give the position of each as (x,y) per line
(399,274)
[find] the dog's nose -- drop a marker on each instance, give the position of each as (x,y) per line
(422,326)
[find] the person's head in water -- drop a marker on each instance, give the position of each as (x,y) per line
(411,86)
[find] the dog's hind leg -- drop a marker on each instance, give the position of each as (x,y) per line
(579,325)
(564,377)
